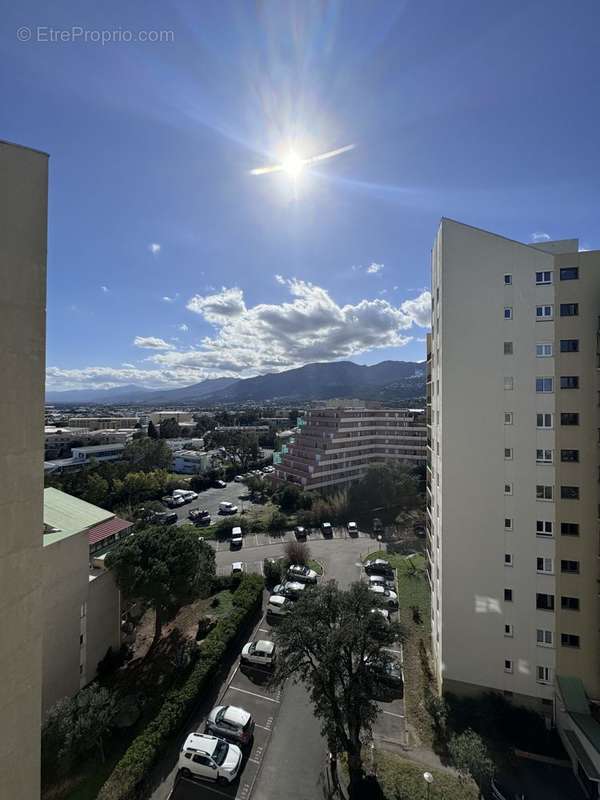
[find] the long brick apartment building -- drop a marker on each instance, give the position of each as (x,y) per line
(335,446)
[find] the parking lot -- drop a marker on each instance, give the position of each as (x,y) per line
(210,499)
(288,752)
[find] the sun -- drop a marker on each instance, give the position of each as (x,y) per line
(293,164)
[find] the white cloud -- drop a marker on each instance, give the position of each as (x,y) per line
(374,268)
(128,366)
(154,248)
(540,236)
(419,309)
(219,308)
(167,299)
(109,377)
(280,279)
(183,327)
(104,289)
(152,343)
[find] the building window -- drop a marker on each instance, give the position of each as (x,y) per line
(569,603)
(569,456)
(508,559)
(508,595)
(569,528)
(543,527)
(508,453)
(543,278)
(569,273)
(569,640)
(507,524)
(569,418)
(509,383)
(544,637)
(569,567)
(543,674)
(543,456)
(569,345)
(543,350)
(508,418)
(544,384)
(544,602)
(543,492)
(569,492)
(508,348)
(544,565)
(569,382)
(508,629)
(569,309)
(508,312)
(508,667)
(543,420)
(543,312)
(508,488)
(508,280)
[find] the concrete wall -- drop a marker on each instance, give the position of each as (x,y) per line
(66,581)
(23,221)
(103,621)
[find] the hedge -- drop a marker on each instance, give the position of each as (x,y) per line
(127,778)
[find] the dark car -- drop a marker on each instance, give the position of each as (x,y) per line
(165,518)
(326,530)
(220,484)
(197,514)
(379,566)
(300,532)
(391,680)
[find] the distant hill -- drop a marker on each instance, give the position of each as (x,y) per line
(389,381)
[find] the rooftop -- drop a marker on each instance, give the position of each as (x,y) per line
(66,515)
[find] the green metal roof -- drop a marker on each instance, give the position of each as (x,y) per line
(67,515)
(573,694)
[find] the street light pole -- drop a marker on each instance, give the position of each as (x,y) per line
(428,778)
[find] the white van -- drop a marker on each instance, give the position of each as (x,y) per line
(187,494)
(237,538)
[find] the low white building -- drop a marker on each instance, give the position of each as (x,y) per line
(191,462)
(82,456)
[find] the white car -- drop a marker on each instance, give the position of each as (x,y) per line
(291,589)
(385,596)
(279,606)
(379,580)
(352,528)
(260,653)
(237,537)
(239,479)
(231,723)
(227,508)
(299,572)
(187,494)
(210,758)
(237,568)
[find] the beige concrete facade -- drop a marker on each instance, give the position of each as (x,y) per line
(23,224)
(503,464)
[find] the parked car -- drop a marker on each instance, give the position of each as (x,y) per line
(220,484)
(187,495)
(327,529)
(227,508)
(291,589)
(239,479)
(165,518)
(202,522)
(237,568)
(352,529)
(173,502)
(210,758)
(378,566)
(260,653)
(380,580)
(389,676)
(237,537)
(278,605)
(385,596)
(377,526)
(381,614)
(231,723)
(299,572)
(300,532)
(197,513)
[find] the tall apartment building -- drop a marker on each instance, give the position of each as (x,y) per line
(102,423)
(513,467)
(23,220)
(336,446)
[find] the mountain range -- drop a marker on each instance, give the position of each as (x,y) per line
(388,381)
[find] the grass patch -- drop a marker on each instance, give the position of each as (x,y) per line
(317,566)
(403,780)
(414,597)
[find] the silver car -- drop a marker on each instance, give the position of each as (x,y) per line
(231,723)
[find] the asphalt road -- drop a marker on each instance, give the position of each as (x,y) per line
(288,753)
(211,498)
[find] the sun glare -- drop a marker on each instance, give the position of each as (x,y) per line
(293,164)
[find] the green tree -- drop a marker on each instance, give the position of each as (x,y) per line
(96,490)
(334,644)
(385,490)
(76,727)
(471,758)
(169,429)
(148,454)
(240,448)
(152,432)
(162,566)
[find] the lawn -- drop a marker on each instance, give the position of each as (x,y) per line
(401,779)
(316,565)
(414,597)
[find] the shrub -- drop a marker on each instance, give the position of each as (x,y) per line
(278,522)
(297,552)
(272,571)
(470,757)
(127,778)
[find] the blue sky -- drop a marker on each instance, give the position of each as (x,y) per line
(168,262)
